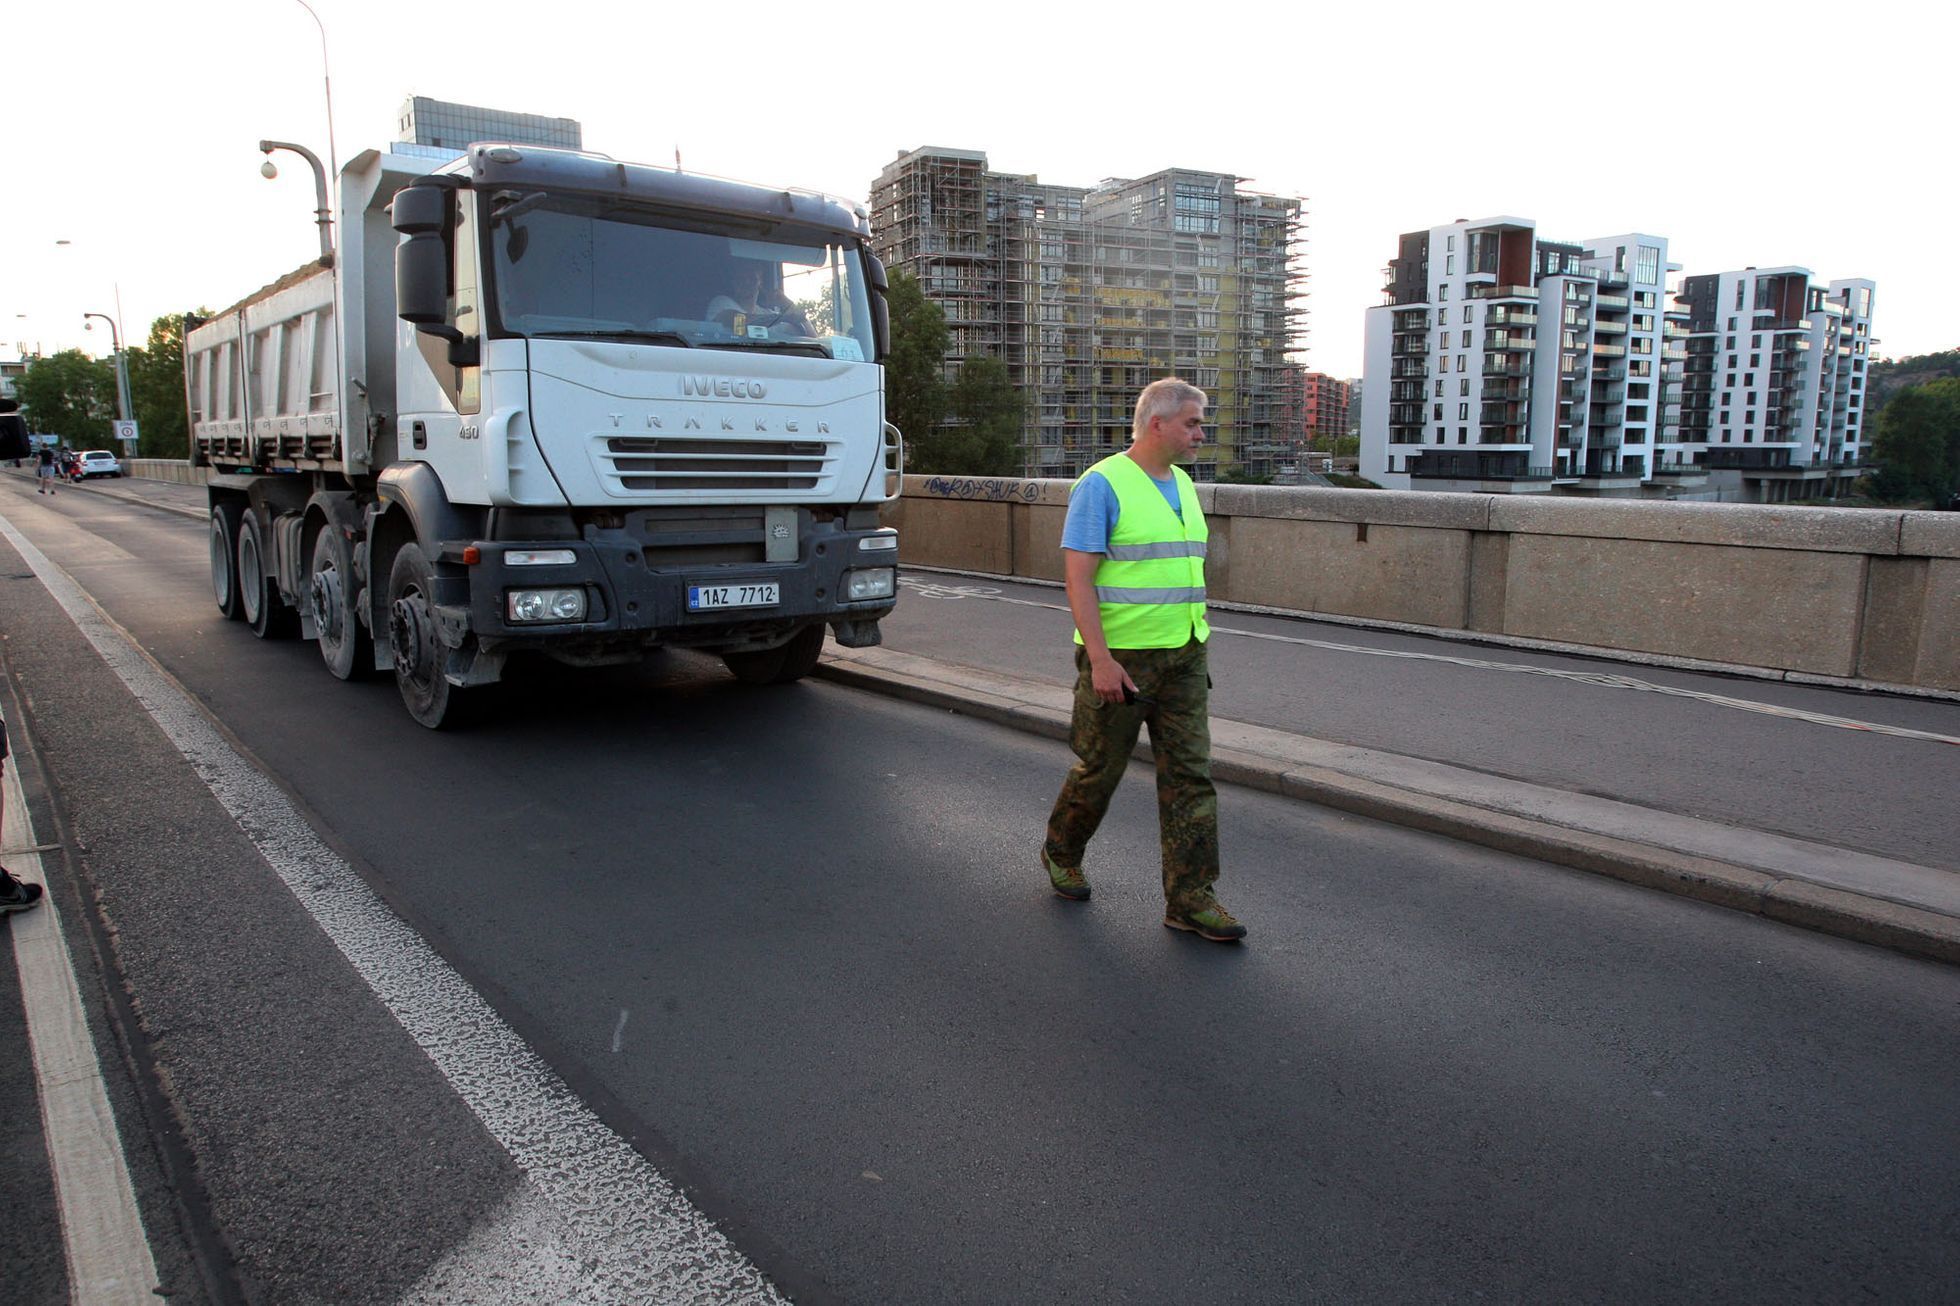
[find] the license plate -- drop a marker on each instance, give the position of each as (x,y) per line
(702,598)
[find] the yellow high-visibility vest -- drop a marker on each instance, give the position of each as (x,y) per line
(1150,586)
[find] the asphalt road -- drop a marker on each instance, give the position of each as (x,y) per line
(793,946)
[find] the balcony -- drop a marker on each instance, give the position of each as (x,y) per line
(1411,347)
(1606,417)
(1609,351)
(1510,317)
(1613,303)
(1508,340)
(1504,292)
(1506,364)
(1608,327)
(1611,375)
(1456,466)
(1507,392)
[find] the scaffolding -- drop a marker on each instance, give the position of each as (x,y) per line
(1089,294)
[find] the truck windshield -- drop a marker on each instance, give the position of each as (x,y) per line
(574,267)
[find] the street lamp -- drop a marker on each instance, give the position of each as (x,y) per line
(122,371)
(323,214)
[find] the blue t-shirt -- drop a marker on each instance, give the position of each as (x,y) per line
(1093,509)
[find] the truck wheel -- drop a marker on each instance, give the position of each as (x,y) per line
(224,557)
(258,595)
(344,644)
(419,655)
(779,666)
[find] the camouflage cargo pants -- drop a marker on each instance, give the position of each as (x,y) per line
(1103,734)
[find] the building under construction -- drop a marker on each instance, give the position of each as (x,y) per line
(1089,294)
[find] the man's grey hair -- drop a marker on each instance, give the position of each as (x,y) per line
(1165,398)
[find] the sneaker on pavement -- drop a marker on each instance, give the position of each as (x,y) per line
(1068,881)
(1208,922)
(17,895)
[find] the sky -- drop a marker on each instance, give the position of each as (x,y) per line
(1819,135)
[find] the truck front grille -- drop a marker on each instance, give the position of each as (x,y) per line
(664,463)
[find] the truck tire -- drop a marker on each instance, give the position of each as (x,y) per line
(224,557)
(345,645)
(779,666)
(259,604)
(419,655)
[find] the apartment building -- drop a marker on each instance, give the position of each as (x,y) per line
(1773,381)
(1324,402)
(1504,363)
(1087,294)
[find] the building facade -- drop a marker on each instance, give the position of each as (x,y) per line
(1506,363)
(1087,294)
(1773,382)
(1324,404)
(442,129)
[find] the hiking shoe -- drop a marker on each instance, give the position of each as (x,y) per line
(17,895)
(1068,881)
(1208,922)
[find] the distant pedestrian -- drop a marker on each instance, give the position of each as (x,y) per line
(15,894)
(44,470)
(1133,551)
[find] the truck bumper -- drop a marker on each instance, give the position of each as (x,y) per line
(637,593)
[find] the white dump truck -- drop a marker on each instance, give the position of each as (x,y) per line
(543,400)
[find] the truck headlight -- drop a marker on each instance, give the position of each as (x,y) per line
(869,583)
(531,606)
(539,557)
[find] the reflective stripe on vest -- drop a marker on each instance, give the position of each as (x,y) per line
(1150,586)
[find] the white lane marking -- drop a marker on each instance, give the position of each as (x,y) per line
(637,1236)
(101,1232)
(619,1029)
(935,590)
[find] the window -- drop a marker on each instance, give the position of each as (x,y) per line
(1463,412)
(1755,360)
(1449,242)
(1466,341)
(1449,265)
(1463,386)
(1466,312)
(1741,287)
(1439,389)
(1443,295)
(1647,265)
(1439,417)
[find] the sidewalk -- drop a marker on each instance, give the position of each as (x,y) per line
(1891,902)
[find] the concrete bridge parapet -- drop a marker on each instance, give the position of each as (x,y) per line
(1842,593)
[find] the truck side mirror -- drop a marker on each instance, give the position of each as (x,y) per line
(421,213)
(881,317)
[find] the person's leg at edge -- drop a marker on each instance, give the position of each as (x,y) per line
(1102,736)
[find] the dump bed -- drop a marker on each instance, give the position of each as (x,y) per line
(262,378)
(287,377)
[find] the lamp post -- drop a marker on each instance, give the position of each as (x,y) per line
(323,214)
(122,372)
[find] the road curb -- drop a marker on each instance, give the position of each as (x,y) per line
(1859,917)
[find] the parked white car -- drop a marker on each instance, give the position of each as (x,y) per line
(100,462)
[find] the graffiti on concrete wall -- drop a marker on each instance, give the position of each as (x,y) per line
(995,489)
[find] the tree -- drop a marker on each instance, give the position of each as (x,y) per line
(156,390)
(984,436)
(1918,446)
(70,395)
(915,374)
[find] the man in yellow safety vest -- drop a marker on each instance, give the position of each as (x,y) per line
(1134,560)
